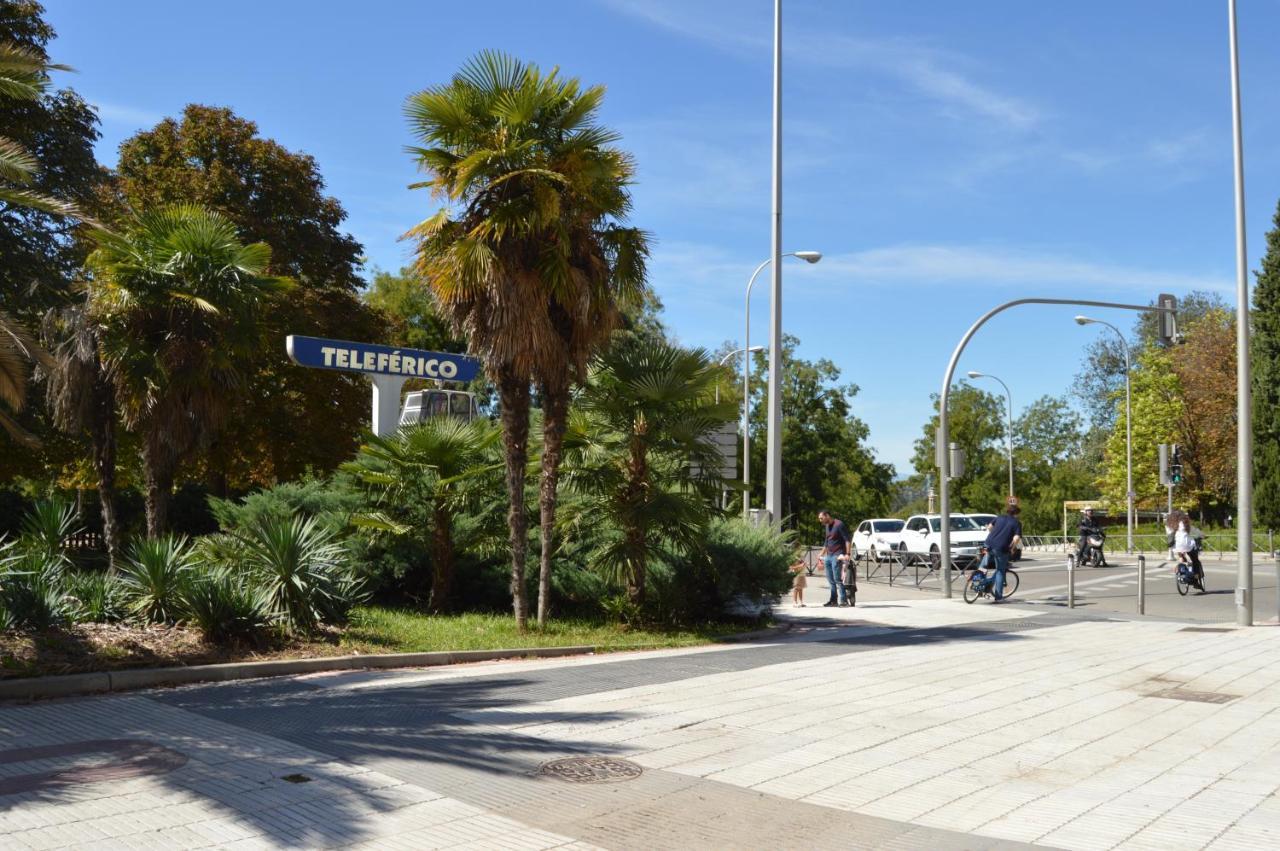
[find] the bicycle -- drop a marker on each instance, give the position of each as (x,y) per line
(1185,578)
(980,584)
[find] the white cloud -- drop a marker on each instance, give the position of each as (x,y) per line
(114,113)
(925,265)
(710,276)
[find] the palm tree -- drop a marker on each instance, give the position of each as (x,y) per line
(82,399)
(24,75)
(643,458)
(440,457)
(177,297)
(529,258)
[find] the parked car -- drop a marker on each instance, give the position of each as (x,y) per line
(922,537)
(985,520)
(878,536)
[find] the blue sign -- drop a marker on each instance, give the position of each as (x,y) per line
(373,359)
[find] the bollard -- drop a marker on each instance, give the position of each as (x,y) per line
(1142,584)
(1071,581)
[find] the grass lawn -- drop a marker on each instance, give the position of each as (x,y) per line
(381,630)
(374,629)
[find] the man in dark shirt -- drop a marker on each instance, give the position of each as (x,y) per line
(835,543)
(1005,530)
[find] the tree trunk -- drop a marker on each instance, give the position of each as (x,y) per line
(555,416)
(441,558)
(103,436)
(513,395)
(158,479)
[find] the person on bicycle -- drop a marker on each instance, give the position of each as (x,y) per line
(1187,547)
(1088,526)
(1005,534)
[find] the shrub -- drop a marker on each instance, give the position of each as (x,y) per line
(153,576)
(96,597)
(46,527)
(304,570)
(226,606)
(332,502)
(738,559)
(31,596)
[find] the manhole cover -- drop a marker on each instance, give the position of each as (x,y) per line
(1206,629)
(591,769)
(296,778)
(1193,696)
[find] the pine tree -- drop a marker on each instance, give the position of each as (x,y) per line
(1266,384)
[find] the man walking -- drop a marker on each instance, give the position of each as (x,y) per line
(835,543)
(1005,534)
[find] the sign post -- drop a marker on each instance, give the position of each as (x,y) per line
(386,367)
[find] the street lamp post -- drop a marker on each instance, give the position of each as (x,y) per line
(1244,389)
(808,257)
(1128,422)
(773,457)
(1008,396)
(733,353)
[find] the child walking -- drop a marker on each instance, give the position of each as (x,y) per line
(797,584)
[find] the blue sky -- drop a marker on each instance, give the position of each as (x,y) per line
(945,156)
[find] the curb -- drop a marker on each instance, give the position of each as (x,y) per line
(72,685)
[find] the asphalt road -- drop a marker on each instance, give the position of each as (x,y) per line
(1115,588)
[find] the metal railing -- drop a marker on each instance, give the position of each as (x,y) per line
(1213,542)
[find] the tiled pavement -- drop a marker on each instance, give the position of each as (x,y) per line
(899,724)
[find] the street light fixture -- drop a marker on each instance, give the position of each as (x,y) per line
(1009,396)
(735,353)
(808,257)
(1128,422)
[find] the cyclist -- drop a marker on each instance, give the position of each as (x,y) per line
(1005,534)
(1088,526)
(1186,544)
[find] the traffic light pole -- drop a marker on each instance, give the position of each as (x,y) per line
(944,435)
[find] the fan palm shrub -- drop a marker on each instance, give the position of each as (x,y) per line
(439,462)
(643,460)
(47,526)
(31,594)
(154,574)
(529,258)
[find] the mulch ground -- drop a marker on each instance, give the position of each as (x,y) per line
(104,647)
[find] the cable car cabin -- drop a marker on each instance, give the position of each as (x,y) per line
(422,404)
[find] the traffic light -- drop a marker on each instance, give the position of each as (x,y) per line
(1167,318)
(1164,463)
(1175,465)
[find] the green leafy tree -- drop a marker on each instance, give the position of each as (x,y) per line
(827,463)
(1266,383)
(177,296)
(440,462)
(410,309)
(49,174)
(977,425)
(1158,410)
(1051,462)
(216,159)
(529,258)
(643,460)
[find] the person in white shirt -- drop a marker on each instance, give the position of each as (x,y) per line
(1186,545)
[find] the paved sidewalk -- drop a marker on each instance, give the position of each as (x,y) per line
(904,722)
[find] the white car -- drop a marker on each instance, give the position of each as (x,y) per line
(922,536)
(878,537)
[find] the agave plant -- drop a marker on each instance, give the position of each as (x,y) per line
(154,574)
(305,571)
(227,606)
(31,592)
(47,526)
(96,597)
